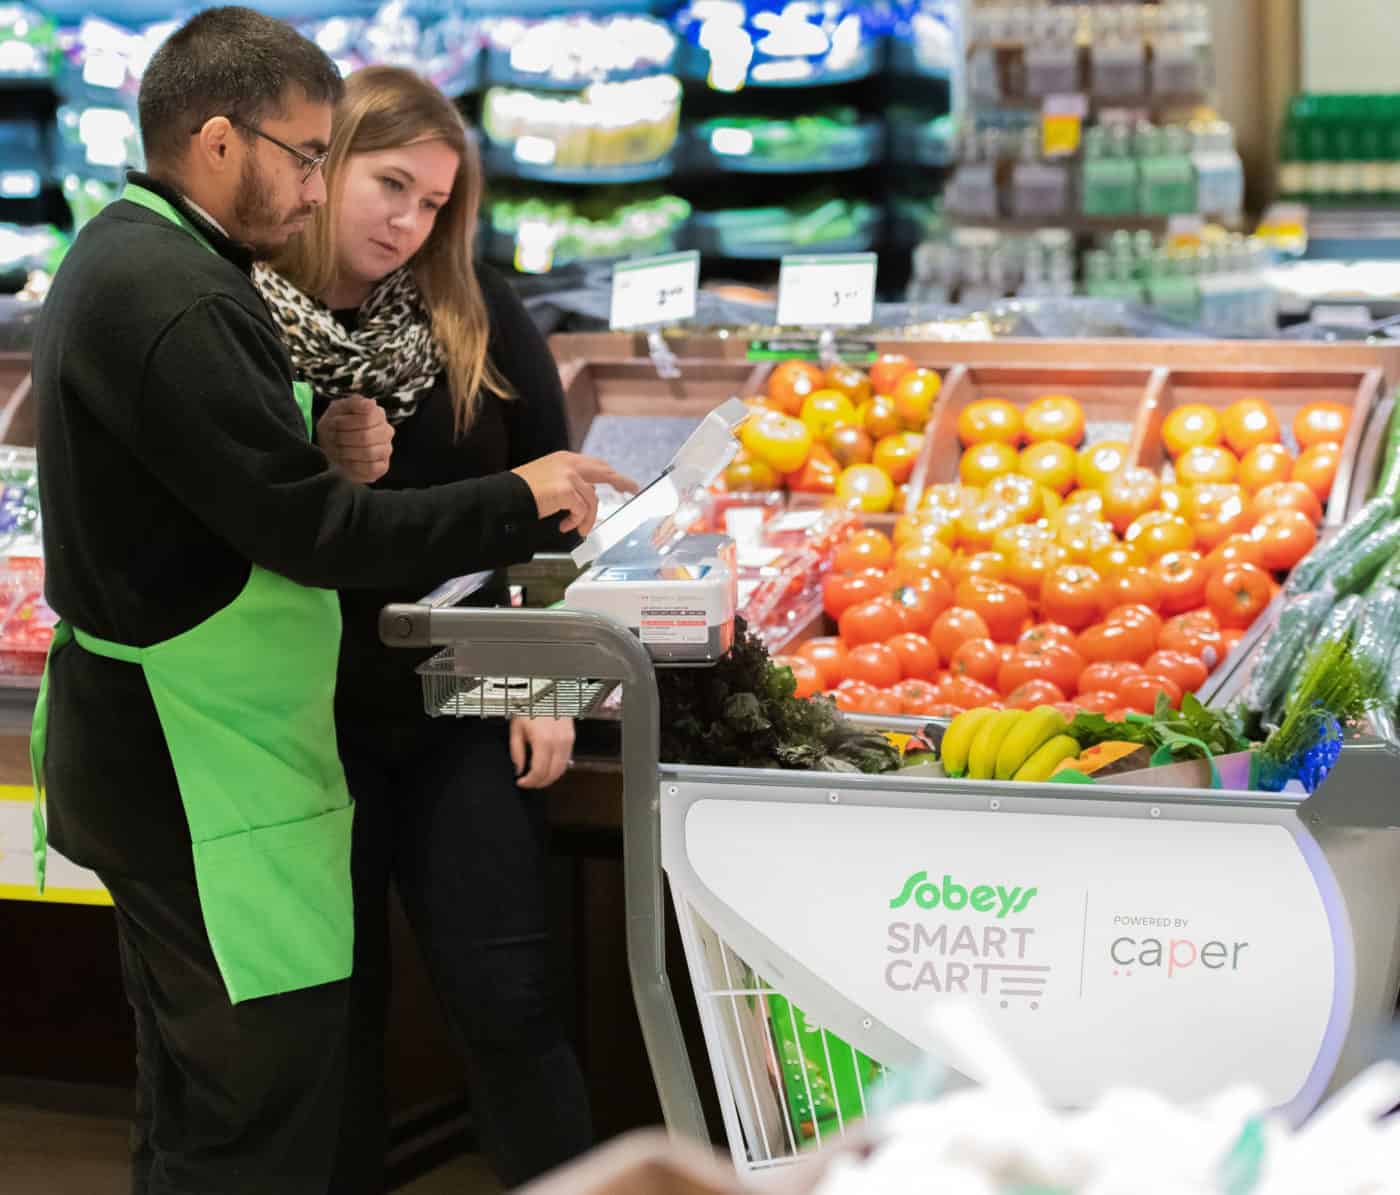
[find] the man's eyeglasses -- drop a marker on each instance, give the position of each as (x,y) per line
(310,163)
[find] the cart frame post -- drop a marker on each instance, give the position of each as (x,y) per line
(566,644)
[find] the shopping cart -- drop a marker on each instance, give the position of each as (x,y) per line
(1178,939)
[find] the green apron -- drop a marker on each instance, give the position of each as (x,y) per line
(245,704)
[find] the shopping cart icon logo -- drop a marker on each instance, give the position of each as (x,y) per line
(1016,984)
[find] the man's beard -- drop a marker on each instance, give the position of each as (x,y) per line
(262,225)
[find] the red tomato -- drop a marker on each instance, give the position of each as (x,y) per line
(828,654)
(865,549)
(855,696)
(1287,495)
(1196,633)
(1182,578)
(918,658)
(886,701)
(968,693)
(841,591)
(1033,693)
(874,663)
(1054,662)
(1238,593)
(1004,608)
(977,659)
(886,371)
(955,626)
(1117,641)
(938,587)
(1140,692)
(1106,675)
(1098,702)
(1284,538)
(917,607)
(1132,585)
(1072,594)
(942,709)
(1236,549)
(1188,672)
(870,622)
(804,672)
(916,696)
(1046,632)
(1141,616)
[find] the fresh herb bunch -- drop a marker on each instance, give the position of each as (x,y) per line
(1336,686)
(1184,731)
(742,713)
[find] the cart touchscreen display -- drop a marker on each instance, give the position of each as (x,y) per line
(659,572)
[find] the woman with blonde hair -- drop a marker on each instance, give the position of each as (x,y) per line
(427,369)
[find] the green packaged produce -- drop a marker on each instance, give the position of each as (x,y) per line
(1317,566)
(1279,656)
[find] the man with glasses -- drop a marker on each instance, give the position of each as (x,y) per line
(194,537)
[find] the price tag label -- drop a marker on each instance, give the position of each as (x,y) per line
(536,151)
(1062,124)
(654,290)
(1342,315)
(1185,231)
(827,291)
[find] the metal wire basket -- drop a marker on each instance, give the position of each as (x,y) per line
(452,690)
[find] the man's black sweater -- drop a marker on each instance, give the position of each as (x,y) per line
(172,457)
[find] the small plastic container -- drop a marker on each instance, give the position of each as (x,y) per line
(1040,190)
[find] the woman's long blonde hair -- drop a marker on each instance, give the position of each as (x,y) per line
(386,107)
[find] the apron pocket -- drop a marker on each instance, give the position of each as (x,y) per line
(278,906)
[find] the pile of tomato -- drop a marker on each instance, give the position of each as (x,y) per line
(1058,573)
(837,431)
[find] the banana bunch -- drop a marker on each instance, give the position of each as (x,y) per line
(985,744)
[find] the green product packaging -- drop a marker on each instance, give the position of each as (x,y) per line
(821,1073)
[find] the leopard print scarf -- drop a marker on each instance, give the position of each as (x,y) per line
(391,357)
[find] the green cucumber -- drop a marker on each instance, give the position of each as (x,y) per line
(1315,568)
(1391,684)
(1279,655)
(1375,631)
(1353,571)
(1388,487)
(1335,627)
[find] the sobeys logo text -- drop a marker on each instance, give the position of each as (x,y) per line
(984,898)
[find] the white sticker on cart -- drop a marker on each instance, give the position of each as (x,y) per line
(1179,956)
(674,624)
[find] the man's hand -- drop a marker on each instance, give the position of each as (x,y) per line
(565,481)
(357,437)
(547,743)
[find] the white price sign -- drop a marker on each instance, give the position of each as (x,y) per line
(654,290)
(822,291)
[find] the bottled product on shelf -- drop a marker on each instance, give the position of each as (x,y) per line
(979,269)
(1341,149)
(535,233)
(577,49)
(815,223)
(926,40)
(606,124)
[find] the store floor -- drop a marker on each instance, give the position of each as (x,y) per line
(44,1152)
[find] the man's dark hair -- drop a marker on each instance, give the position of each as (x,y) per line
(230,62)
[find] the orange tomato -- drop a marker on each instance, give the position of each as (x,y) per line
(921,525)
(989,421)
(1034,693)
(1248,424)
(1186,670)
(747,474)
(828,655)
(1072,594)
(1099,702)
(864,549)
(1157,533)
(1049,463)
(1083,541)
(1131,585)
(1114,642)
(879,416)
(1117,555)
(1129,494)
(932,583)
(1104,676)
(1022,496)
(869,622)
(967,694)
(1234,549)
(1216,512)
(1088,502)
(1136,615)
(1055,417)
(804,672)
(1054,662)
(1196,633)
(850,381)
(1237,594)
(1181,579)
(918,607)
(897,455)
(976,659)
(918,558)
(1004,608)
(850,445)
(1190,426)
(791,382)
(916,696)
(1321,423)
(865,488)
(953,627)
(1045,632)
(1284,538)
(1207,463)
(1287,495)
(990,566)
(1097,463)
(1263,465)
(874,663)
(818,476)
(1316,468)
(1174,498)
(950,495)
(914,395)
(983,462)
(855,696)
(1028,565)
(978,527)
(1139,693)
(886,371)
(841,591)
